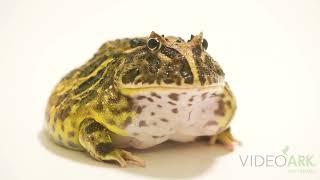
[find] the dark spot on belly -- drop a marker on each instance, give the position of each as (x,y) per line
(175,110)
(93,127)
(104,148)
(139,109)
(174,96)
(150,99)
(191,99)
(155,137)
(172,103)
(211,123)
(155,95)
(221,109)
(141,97)
(154,123)
(164,120)
(204,95)
(213,94)
(135,134)
(152,113)
(158,105)
(142,123)
(127,122)
(189,104)
(189,115)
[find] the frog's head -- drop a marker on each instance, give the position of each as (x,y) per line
(169,61)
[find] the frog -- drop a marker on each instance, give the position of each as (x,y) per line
(136,93)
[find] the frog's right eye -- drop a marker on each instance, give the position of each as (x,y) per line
(153,44)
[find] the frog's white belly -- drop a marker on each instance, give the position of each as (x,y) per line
(178,116)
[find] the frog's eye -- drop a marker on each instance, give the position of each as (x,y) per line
(204,43)
(153,44)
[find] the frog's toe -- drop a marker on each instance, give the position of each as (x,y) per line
(226,139)
(132,159)
(122,157)
(111,156)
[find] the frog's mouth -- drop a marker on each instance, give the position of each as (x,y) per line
(133,88)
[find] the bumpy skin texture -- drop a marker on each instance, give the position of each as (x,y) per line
(95,106)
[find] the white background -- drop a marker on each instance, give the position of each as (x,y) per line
(269,50)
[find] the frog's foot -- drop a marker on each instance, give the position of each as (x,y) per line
(225,138)
(96,139)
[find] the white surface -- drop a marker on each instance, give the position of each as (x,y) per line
(270,51)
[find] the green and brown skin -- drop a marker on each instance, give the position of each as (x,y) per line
(93,103)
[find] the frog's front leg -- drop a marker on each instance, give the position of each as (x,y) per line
(96,139)
(225,138)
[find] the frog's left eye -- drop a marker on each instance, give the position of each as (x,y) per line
(153,44)
(204,43)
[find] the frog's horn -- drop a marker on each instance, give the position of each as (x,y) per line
(155,35)
(196,39)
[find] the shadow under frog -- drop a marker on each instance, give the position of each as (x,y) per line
(167,160)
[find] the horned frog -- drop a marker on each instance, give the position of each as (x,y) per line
(140,92)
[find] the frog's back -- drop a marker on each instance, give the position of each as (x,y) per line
(81,88)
